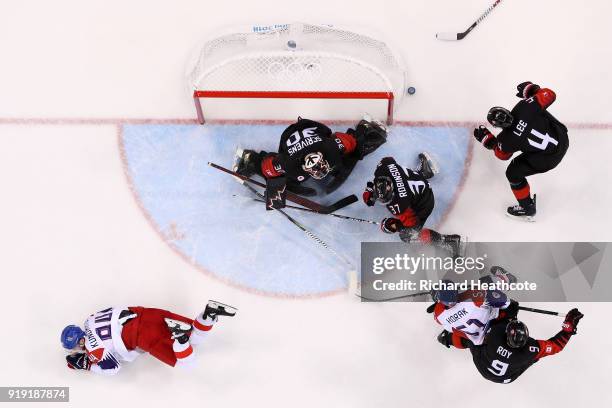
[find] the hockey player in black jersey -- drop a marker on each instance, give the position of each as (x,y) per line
(407,195)
(530,129)
(508,350)
(309,149)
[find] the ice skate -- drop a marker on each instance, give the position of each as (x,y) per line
(526,213)
(427,166)
(215,309)
(179,330)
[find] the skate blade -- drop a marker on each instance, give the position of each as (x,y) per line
(524,218)
(227,307)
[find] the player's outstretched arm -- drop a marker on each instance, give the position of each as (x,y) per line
(556,343)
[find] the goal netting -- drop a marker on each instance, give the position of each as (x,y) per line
(294,61)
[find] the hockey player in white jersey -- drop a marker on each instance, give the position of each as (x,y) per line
(117,335)
(468,314)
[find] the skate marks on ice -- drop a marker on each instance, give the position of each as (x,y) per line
(195,210)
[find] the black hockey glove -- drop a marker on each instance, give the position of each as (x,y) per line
(526,89)
(570,325)
(484,136)
(512,310)
(368,195)
(445,338)
(391,225)
(78,361)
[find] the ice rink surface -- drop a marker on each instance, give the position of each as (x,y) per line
(81,80)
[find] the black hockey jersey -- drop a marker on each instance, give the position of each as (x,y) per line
(304,137)
(413,199)
(498,362)
(533,129)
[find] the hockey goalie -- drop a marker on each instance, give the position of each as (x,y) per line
(310,150)
(118,335)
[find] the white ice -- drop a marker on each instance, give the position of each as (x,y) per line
(74,239)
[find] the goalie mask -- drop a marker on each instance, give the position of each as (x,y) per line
(499,117)
(383,189)
(316,165)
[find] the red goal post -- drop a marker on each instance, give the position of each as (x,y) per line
(198,94)
(295,61)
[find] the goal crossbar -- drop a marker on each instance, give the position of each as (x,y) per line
(198,94)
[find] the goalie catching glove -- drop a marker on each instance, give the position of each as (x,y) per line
(370,135)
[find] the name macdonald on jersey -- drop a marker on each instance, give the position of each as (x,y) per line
(399,183)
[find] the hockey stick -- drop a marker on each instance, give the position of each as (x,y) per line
(300,226)
(392,298)
(323,209)
(345,217)
(460,36)
(542,311)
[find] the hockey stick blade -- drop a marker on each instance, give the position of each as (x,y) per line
(461,36)
(303,201)
(450,36)
(344,202)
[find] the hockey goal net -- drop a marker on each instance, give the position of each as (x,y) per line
(297,61)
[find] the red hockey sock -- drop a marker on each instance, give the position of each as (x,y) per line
(522,193)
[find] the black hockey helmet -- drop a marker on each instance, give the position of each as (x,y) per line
(316,165)
(383,189)
(517,334)
(499,117)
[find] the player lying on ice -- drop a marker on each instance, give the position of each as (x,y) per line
(120,334)
(407,195)
(530,129)
(310,149)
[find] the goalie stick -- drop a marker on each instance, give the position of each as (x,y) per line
(460,36)
(303,201)
(344,217)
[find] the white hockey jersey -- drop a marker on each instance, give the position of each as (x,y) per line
(473,313)
(103,341)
